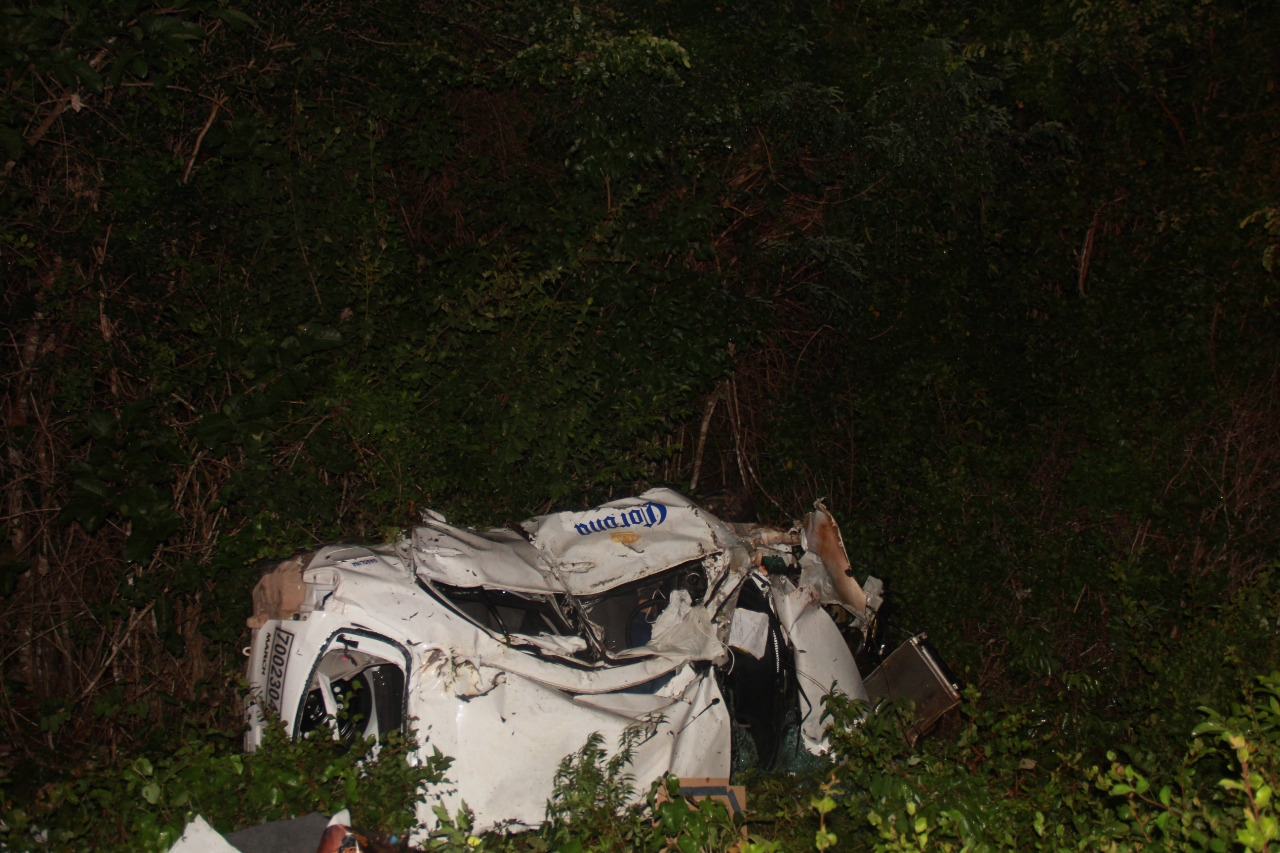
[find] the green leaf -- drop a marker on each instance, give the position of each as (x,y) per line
(237,19)
(1251,838)
(90,78)
(139,547)
(101,424)
(320,337)
(822,806)
(88,509)
(92,486)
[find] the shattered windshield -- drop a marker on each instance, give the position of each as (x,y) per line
(625,618)
(620,624)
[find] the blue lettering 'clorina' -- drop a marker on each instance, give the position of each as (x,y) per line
(649,515)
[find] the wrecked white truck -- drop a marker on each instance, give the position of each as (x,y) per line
(506,649)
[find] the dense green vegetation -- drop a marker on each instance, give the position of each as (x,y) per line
(996,279)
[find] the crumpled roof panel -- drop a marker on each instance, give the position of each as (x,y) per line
(497,559)
(597,549)
(579,552)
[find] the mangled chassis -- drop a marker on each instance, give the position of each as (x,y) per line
(506,649)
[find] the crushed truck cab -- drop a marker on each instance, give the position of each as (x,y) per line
(505,649)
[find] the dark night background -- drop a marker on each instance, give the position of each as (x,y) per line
(995,279)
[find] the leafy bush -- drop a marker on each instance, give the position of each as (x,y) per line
(591,808)
(145,802)
(1004,784)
